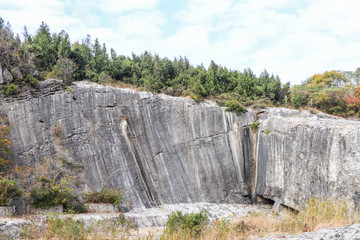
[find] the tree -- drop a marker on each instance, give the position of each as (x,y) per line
(353,101)
(8,47)
(100,57)
(354,77)
(1,23)
(44,48)
(63,44)
(64,69)
(329,78)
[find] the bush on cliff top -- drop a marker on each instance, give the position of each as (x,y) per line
(235,106)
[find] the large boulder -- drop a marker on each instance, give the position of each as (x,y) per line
(7,76)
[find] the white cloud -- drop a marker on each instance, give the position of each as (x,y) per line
(203,11)
(291,38)
(119,6)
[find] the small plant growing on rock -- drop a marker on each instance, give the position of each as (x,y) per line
(255,126)
(58,131)
(106,195)
(197,98)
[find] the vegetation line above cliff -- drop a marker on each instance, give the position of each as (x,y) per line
(26,60)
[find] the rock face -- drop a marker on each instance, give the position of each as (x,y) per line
(165,150)
(302,155)
(157,149)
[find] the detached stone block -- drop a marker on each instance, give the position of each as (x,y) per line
(43,211)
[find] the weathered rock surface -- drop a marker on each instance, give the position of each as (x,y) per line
(101,208)
(6,211)
(16,73)
(157,149)
(11,228)
(302,155)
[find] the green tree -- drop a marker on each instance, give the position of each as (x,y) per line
(45,50)
(100,57)
(64,69)
(63,44)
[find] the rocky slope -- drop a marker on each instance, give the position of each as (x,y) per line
(163,150)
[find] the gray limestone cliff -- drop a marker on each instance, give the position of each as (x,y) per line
(157,149)
(300,155)
(162,150)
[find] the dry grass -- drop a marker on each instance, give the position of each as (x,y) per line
(58,131)
(124,85)
(317,215)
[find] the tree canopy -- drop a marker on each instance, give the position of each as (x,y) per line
(53,55)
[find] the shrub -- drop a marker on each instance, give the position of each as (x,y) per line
(67,228)
(50,194)
(106,195)
(57,228)
(5,149)
(197,98)
(32,81)
(235,106)
(192,223)
(299,98)
(10,89)
(8,191)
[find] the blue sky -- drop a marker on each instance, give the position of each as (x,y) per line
(291,38)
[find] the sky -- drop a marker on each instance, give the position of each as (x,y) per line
(290,38)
